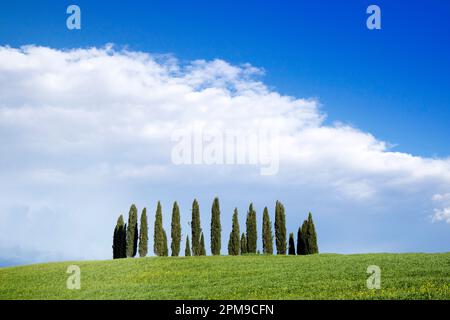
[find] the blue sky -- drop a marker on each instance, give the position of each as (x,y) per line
(391,83)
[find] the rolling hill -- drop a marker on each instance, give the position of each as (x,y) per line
(323,276)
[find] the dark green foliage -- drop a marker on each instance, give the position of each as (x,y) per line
(115,244)
(196,228)
(187,250)
(132,232)
(267,236)
(280,228)
(158,235)
(202,249)
(165,247)
(143,234)
(251,230)
(216,228)
(233,243)
(291,250)
(311,236)
(124,241)
(308,237)
(243,244)
(304,235)
(119,239)
(300,242)
(176,230)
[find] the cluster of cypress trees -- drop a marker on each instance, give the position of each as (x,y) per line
(126,236)
(307,237)
(246,242)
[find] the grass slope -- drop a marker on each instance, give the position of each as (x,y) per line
(324,276)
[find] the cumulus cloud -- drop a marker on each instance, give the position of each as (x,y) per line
(79,121)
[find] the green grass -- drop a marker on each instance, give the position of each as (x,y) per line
(324,276)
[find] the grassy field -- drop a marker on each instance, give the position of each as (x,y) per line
(324,276)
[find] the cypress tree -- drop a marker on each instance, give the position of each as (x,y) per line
(132,232)
(311,236)
(158,235)
(143,234)
(196,228)
(251,230)
(300,242)
(304,231)
(119,239)
(176,230)
(291,250)
(165,248)
(187,250)
(123,242)
(202,249)
(267,236)
(243,244)
(136,237)
(115,243)
(233,243)
(216,228)
(280,228)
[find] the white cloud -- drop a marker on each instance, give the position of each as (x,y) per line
(83,119)
(442,213)
(441,197)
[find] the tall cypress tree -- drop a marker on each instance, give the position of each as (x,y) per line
(305,241)
(158,235)
(291,250)
(311,236)
(202,249)
(132,232)
(143,234)
(300,242)
(251,230)
(243,244)
(165,247)
(115,243)
(123,242)
(196,228)
(267,236)
(176,230)
(233,243)
(119,239)
(187,250)
(216,228)
(280,228)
